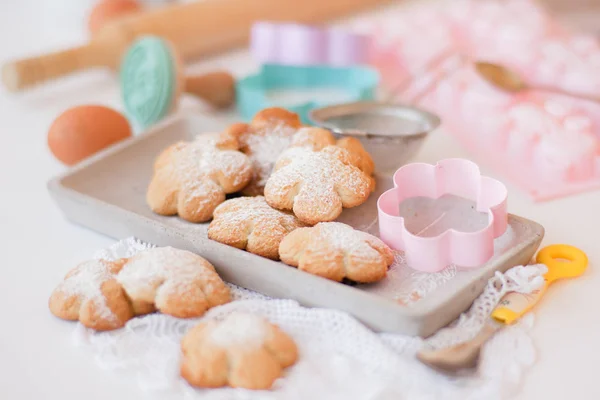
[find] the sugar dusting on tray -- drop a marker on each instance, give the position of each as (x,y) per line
(407,286)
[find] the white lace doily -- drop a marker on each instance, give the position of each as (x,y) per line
(339,357)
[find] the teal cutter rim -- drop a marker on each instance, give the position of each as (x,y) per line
(147,78)
(359,83)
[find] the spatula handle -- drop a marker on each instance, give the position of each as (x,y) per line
(568,93)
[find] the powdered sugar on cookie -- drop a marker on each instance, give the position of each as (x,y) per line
(165,272)
(192,178)
(104,295)
(204,158)
(85,282)
(336,251)
(316,184)
(263,140)
(249,223)
(241,351)
(313,138)
(343,237)
(239,329)
(255,210)
(264,148)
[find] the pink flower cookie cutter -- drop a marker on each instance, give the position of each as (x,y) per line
(302,45)
(457,177)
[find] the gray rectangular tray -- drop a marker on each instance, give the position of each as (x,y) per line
(107,194)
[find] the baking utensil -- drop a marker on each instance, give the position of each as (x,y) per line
(456,177)
(512,306)
(563,261)
(196,29)
(394,132)
(296,44)
(152,81)
(510,81)
(259,91)
(107,193)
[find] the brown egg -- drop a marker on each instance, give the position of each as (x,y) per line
(107,10)
(82,131)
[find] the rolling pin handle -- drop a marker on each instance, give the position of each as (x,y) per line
(22,74)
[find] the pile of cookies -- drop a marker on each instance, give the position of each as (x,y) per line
(294,181)
(290,183)
(242,350)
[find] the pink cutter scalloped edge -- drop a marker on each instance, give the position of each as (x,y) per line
(451,176)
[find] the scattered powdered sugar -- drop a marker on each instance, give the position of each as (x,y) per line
(86,281)
(407,286)
(265,146)
(240,329)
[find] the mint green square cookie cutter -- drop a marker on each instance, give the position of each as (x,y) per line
(360,84)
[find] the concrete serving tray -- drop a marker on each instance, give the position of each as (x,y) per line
(107,194)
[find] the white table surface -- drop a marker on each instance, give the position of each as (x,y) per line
(38,359)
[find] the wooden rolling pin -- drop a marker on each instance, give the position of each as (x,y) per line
(196,29)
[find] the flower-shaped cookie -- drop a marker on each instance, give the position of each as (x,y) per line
(104,295)
(192,178)
(313,138)
(249,223)
(242,350)
(358,155)
(263,140)
(336,251)
(176,282)
(91,294)
(319,138)
(316,185)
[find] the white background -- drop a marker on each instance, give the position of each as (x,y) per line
(38,246)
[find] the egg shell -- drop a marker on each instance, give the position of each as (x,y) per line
(84,130)
(107,10)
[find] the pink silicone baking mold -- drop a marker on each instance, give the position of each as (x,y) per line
(457,177)
(547,145)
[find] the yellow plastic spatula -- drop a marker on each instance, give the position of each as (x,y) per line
(563,261)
